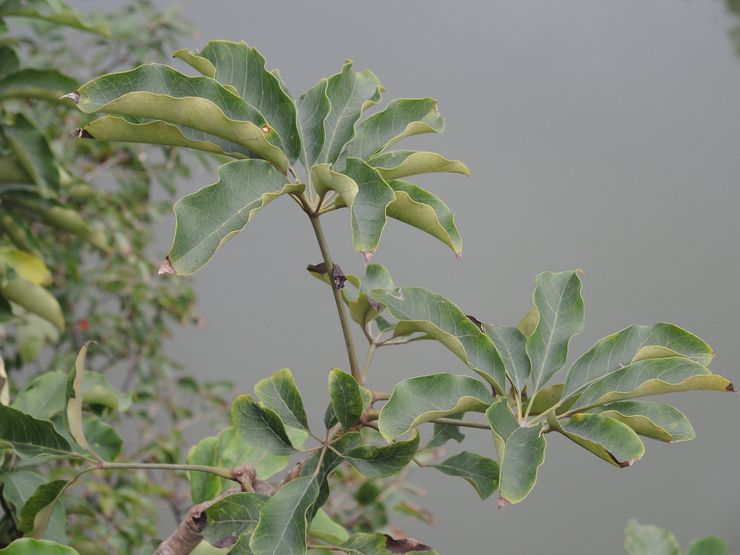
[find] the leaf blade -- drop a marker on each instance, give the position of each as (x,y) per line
(346,398)
(481,472)
(424,398)
(243,67)
(209,217)
(422,310)
(560,305)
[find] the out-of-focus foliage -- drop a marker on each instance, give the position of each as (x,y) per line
(76,229)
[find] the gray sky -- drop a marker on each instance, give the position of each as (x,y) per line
(600,135)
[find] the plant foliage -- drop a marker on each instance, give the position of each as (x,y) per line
(345,141)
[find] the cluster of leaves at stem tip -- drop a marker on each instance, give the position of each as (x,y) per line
(236,108)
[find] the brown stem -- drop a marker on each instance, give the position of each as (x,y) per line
(189,532)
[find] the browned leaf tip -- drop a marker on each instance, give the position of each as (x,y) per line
(166,267)
(336,273)
(502,503)
(319,268)
(404,545)
(731,388)
(81,134)
(475,321)
(73,96)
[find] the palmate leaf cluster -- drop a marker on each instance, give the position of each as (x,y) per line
(239,109)
(282,467)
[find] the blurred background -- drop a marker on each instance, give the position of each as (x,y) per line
(600,135)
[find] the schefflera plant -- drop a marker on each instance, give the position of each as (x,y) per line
(238,109)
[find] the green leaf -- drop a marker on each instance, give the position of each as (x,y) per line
(510,342)
(45,395)
(363,308)
(521,452)
(103,439)
(75,398)
(650,377)
(242,68)
(45,84)
(59,217)
(232,516)
(444,433)
(383,544)
(203,485)
(19,486)
(11,171)
(284,518)
(35,515)
(313,109)
(234,452)
(481,472)
(403,117)
(280,393)
(33,298)
(365,193)
(27,546)
(27,265)
(324,528)
(349,92)
(209,217)
(404,163)
(528,323)
(346,399)
(424,398)
(377,462)
(34,154)
(4,383)
(119,129)
(162,93)
(29,436)
(421,310)
(560,306)
(620,349)
(605,437)
(711,545)
(54,11)
(421,209)
(9,62)
(644,539)
(260,425)
(650,419)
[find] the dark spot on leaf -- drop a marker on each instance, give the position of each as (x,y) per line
(82,134)
(166,267)
(624,464)
(475,321)
(404,545)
